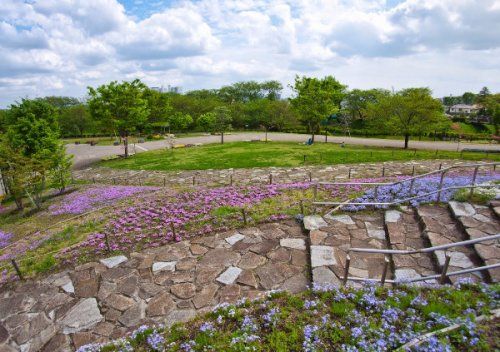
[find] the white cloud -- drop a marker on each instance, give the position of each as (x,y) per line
(62,46)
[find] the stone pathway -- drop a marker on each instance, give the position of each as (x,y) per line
(104,300)
(404,233)
(440,227)
(331,237)
(258,175)
(480,221)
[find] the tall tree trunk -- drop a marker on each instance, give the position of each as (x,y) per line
(407,138)
(326,136)
(266,133)
(312,138)
(222,138)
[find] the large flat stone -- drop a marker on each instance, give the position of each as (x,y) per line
(314,222)
(229,276)
(113,261)
(164,266)
(324,276)
(322,256)
(457,259)
(462,209)
(345,219)
(392,216)
(234,238)
(83,315)
(295,243)
(405,274)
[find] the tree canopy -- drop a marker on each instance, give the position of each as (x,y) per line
(409,111)
(316,99)
(121,106)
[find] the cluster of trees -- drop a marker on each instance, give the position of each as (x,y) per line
(468,98)
(32,156)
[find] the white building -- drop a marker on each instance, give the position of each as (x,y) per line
(463,109)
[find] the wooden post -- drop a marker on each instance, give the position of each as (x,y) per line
(349,176)
(413,170)
(194,180)
(16,268)
(107,242)
(243,212)
(376,193)
(93,180)
(164,182)
(411,185)
(231,179)
(440,186)
(440,166)
(474,176)
(442,279)
(270,179)
(384,273)
(301,203)
(346,269)
(310,176)
(114,181)
(383,171)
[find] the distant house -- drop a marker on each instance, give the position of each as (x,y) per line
(463,109)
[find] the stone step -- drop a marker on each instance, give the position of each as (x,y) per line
(480,221)
(331,237)
(440,227)
(403,233)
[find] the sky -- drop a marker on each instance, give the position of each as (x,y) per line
(60,47)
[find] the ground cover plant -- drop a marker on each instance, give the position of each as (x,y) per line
(420,187)
(129,218)
(279,154)
(327,318)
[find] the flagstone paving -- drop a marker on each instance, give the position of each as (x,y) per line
(440,228)
(480,221)
(337,233)
(259,175)
(103,300)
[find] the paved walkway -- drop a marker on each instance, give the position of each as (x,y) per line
(85,155)
(103,300)
(260,175)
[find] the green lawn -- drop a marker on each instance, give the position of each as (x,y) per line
(260,154)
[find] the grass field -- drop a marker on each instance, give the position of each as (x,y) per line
(279,154)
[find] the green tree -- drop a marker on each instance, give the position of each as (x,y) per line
(492,109)
(31,150)
(180,121)
(75,121)
(356,101)
(222,121)
(468,98)
(160,107)
(207,121)
(409,111)
(316,99)
(122,106)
